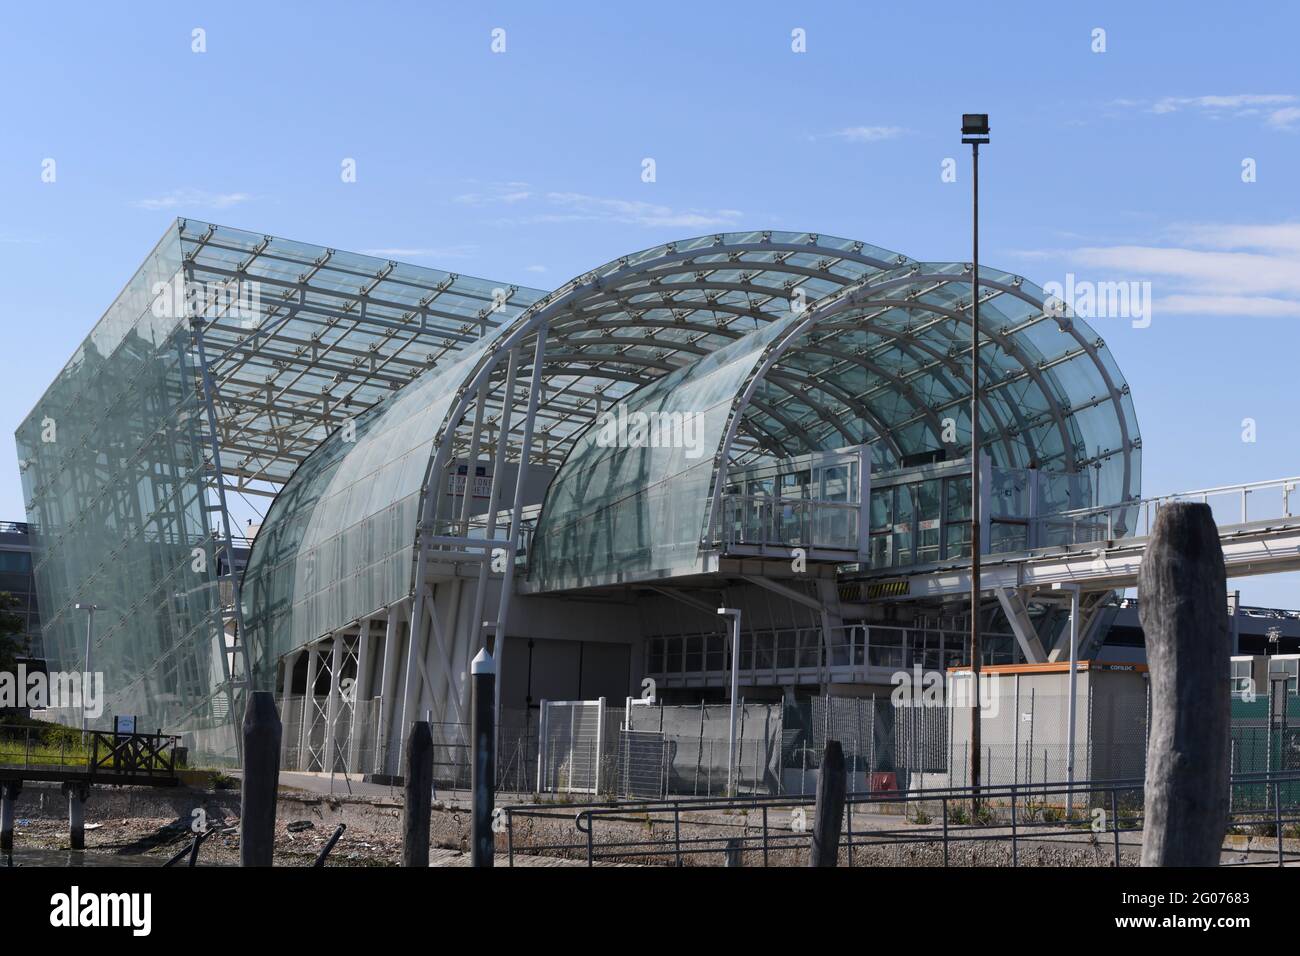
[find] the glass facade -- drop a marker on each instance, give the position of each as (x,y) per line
(114,477)
(631,500)
(119,477)
(339,541)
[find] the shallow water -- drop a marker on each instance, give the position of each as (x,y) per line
(35,857)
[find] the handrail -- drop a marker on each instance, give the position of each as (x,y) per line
(1286,484)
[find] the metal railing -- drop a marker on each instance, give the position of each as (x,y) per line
(94,752)
(802,650)
(1108,522)
(935,827)
(759,521)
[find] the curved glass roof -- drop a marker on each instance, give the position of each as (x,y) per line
(776,342)
(885,363)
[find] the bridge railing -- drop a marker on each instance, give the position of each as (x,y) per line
(136,754)
(1232,505)
(47,749)
(44,748)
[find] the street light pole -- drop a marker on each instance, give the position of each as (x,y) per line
(734,614)
(90,610)
(974,131)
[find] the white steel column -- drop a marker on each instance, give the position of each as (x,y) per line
(290,662)
(476,622)
(388,681)
(1071,720)
(332,703)
(360,694)
(308,710)
(508,578)
(734,614)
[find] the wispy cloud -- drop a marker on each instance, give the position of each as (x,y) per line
(192,199)
(534,206)
(495,193)
(869,134)
(423,252)
(1213,269)
(1278,110)
(534,268)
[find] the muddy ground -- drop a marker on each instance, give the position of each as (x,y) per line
(146,827)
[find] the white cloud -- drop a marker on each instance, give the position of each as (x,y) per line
(496,193)
(575,207)
(869,134)
(1212,269)
(193,199)
(1279,110)
(425,252)
(557,207)
(1284,118)
(534,268)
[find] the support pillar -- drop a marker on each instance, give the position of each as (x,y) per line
(388,685)
(308,711)
(77,794)
(286,690)
(332,707)
(9,791)
(360,695)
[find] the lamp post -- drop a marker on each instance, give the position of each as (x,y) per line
(90,610)
(734,614)
(975,131)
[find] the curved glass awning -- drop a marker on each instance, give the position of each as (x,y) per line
(772,343)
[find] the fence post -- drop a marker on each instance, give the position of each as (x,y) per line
(483,676)
(419,795)
(262,737)
(829,812)
(733,853)
(1183,608)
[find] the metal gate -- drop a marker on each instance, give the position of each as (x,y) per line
(570,738)
(642,764)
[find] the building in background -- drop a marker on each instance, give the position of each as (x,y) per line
(18,579)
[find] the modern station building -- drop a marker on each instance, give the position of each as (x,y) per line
(282,466)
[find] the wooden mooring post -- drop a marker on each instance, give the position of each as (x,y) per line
(1183,602)
(262,733)
(419,795)
(829,813)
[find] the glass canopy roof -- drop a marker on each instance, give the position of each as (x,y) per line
(885,363)
(780,343)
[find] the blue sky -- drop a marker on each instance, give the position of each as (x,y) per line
(526,165)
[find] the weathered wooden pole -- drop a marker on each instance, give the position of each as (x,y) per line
(9,791)
(829,813)
(419,795)
(483,675)
(77,794)
(262,733)
(1183,601)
